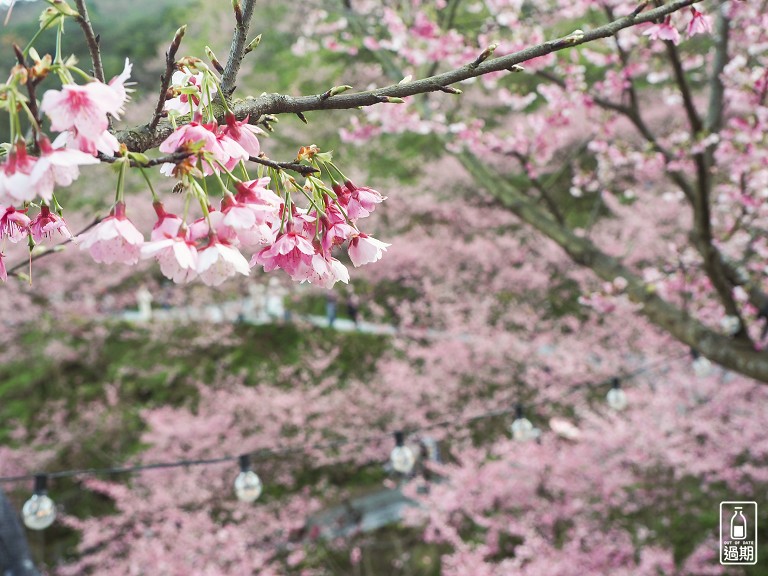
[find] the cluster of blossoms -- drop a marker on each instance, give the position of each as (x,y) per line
(30,171)
(250,215)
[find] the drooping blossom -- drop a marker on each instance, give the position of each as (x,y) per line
(194,137)
(364,249)
(326,271)
(83,109)
(336,231)
(244,134)
(55,167)
(358,202)
(167,225)
(291,251)
(15,174)
(13,223)
(663,31)
(253,224)
(700,23)
(47,222)
(219,261)
(114,239)
(177,256)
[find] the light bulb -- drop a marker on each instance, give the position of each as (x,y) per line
(522,429)
(39,511)
(402,459)
(702,367)
(248,486)
(617,399)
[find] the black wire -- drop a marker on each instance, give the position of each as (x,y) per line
(266,453)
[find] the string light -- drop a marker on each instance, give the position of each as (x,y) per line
(39,511)
(617,398)
(402,457)
(248,485)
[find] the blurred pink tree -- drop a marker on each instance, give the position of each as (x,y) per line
(637,157)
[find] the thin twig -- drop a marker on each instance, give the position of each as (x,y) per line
(140,139)
(174,158)
(13,270)
(165,79)
(91,39)
(239,43)
(31,85)
(302,169)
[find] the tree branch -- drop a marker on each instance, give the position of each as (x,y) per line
(141,139)
(716,89)
(165,79)
(736,355)
(685,91)
(239,40)
(302,169)
(13,270)
(91,39)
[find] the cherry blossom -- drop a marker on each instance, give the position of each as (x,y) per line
(113,240)
(167,225)
(14,224)
(358,201)
(219,260)
(244,134)
(84,109)
(196,138)
(16,175)
(56,166)
(699,24)
(663,31)
(177,256)
(291,251)
(45,223)
(181,103)
(364,249)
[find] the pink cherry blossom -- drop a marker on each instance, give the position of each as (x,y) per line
(45,223)
(3,271)
(663,31)
(253,224)
(244,134)
(167,225)
(84,108)
(364,249)
(13,223)
(16,175)
(219,261)
(700,23)
(358,202)
(177,256)
(326,271)
(114,239)
(187,136)
(56,166)
(291,251)
(187,80)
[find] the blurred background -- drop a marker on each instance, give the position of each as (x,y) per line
(472,320)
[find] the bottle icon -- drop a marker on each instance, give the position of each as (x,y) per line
(738,524)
